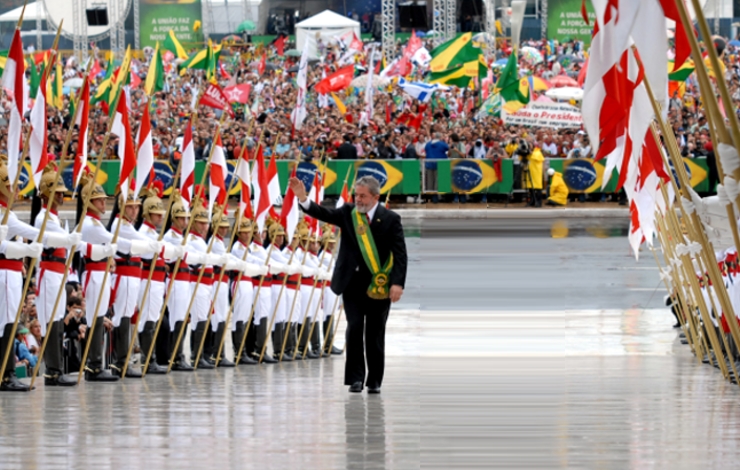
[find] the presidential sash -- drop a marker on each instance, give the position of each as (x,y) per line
(379,288)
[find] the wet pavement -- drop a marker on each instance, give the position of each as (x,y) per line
(509,350)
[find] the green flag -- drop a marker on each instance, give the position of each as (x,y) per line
(155,75)
(35,79)
(453,53)
(173,45)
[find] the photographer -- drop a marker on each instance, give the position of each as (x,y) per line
(75,330)
(532,164)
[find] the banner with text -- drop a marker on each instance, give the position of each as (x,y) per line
(158,17)
(553,115)
(565,22)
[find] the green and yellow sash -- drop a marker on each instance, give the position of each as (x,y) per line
(379,288)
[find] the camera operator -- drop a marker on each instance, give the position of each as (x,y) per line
(531,164)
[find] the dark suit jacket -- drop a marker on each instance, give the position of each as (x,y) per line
(347,151)
(350,266)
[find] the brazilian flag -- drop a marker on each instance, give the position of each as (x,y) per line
(387,175)
(173,45)
(513,90)
(682,73)
(155,75)
(103,91)
(460,76)
(454,53)
(205,59)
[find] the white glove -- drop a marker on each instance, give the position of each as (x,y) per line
(252,270)
(324,275)
(214,259)
(19,250)
(277,268)
(143,247)
(98,252)
(307,271)
(193,257)
(3,232)
(173,251)
(293,269)
(62,240)
(234,264)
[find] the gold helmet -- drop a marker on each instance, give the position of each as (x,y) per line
(91,189)
(275,230)
(220,218)
(328,237)
(4,178)
(153,204)
(179,208)
(301,230)
(246,225)
(131,199)
(314,237)
(48,178)
(200,214)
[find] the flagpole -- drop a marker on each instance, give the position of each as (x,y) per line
(111,259)
(316,310)
(11,199)
(70,256)
(254,305)
(277,303)
(208,251)
(176,268)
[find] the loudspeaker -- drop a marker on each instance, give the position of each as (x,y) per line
(413,16)
(97,16)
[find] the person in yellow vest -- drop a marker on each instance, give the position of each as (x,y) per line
(533,178)
(558,190)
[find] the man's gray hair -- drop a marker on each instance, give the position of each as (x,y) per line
(370,183)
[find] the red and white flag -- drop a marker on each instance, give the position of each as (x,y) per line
(217,175)
(14,82)
(344,197)
(245,181)
(215,98)
(39,141)
(126,153)
(82,126)
(187,163)
(261,191)
(145,157)
(262,66)
(273,187)
(289,213)
(238,93)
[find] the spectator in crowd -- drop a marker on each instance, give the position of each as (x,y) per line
(22,353)
(436,149)
(75,330)
(347,151)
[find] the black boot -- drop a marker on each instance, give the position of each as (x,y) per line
(220,332)
(121,341)
(200,330)
(54,376)
(181,364)
(261,337)
(94,371)
(10,382)
(278,338)
(237,338)
(146,341)
(288,329)
(315,351)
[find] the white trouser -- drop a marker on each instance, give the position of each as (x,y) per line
(221,304)
(305,298)
(263,310)
(315,305)
(96,289)
(151,309)
(178,302)
(330,298)
(278,309)
(127,297)
(11,287)
(292,302)
(243,297)
(201,305)
(49,287)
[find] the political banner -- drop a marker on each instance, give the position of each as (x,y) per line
(552,115)
(565,21)
(158,17)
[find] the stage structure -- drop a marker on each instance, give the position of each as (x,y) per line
(389,29)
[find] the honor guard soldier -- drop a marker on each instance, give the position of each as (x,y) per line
(153,212)
(314,261)
(330,301)
(177,302)
(51,274)
(11,273)
(127,280)
(244,292)
(264,307)
(308,301)
(94,232)
(292,294)
(197,249)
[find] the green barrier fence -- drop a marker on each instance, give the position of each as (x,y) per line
(403,177)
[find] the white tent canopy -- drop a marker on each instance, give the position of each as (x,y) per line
(13,15)
(326,25)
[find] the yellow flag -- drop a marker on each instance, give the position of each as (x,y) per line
(196,25)
(498,28)
(340,106)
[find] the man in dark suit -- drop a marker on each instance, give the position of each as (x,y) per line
(346,150)
(370,273)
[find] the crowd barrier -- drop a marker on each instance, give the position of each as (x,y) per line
(403,177)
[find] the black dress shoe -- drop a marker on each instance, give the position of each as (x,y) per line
(203,364)
(373,390)
(99,375)
(267,359)
(311,355)
(336,351)
(286,357)
(156,369)
(12,384)
(356,387)
(59,380)
(246,360)
(182,366)
(223,362)
(131,373)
